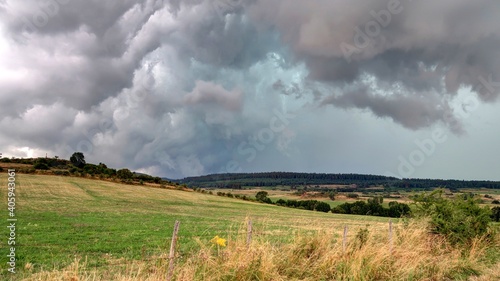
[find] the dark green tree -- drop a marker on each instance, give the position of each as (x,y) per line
(323,207)
(124,174)
(41,166)
(261,196)
(281,202)
(78,159)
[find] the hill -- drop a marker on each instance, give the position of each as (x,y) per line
(107,223)
(98,227)
(239,180)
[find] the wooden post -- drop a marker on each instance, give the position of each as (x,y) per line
(390,237)
(344,239)
(249,233)
(172,251)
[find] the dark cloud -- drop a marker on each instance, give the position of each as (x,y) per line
(411,111)
(424,47)
(176,87)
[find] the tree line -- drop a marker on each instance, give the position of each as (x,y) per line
(359,181)
(77,166)
(374,207)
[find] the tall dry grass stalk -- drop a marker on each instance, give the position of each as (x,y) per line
(416,255)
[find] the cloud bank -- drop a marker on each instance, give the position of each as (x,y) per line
(175,88)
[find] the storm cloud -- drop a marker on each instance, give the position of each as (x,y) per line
(175,88)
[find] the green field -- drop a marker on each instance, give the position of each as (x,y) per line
(107,223)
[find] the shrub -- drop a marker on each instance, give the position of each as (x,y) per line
(125,174)
(281,202)
(61,173)
(397,210)
(361,238)
(261,196)
(352,195)
(331,195)
(495,202)
(323,207)
(495,214)
(459,220)
(41,166)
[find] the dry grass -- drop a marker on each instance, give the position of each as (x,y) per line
(415,255)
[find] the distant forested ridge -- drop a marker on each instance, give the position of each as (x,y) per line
(273,179)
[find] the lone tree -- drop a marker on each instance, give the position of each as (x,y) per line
(77,159)
(261,196)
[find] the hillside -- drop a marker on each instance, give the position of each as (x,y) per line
(240,180)
(107,223)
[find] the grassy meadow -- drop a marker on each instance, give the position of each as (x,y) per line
(72,228)
(63,218)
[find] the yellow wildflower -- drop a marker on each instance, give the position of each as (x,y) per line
(219,241)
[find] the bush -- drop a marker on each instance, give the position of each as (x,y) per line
(495,202)
(261,196)
(5,160)
(41,166)
(281,202)
(125,174)
(495,214)
(459,220)
(61,173)
(352,195)
(331,195)
(323,207)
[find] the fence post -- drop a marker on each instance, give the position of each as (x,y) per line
(390,236)
(172,251)
(344,239)
(249,233)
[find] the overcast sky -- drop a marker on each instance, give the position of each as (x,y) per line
(183,88)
